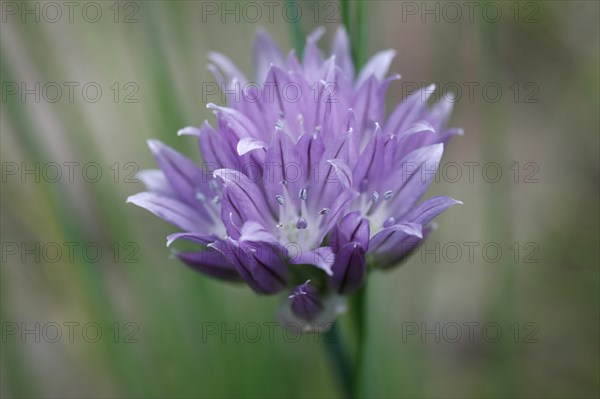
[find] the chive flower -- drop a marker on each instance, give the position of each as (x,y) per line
(304,181)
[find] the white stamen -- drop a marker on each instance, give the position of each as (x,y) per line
(375,196)
(303,194)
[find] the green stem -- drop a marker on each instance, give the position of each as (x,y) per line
(297,34)
(498,214)
(360,38)
(346,14)
(355,21)
(359,307)
(340,360)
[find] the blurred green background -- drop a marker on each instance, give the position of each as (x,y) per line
(146,316)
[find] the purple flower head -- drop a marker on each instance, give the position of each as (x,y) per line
(303,175)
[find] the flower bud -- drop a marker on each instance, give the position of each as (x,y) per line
(349,269)
(306,302)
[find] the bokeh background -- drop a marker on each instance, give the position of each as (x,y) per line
(541,132)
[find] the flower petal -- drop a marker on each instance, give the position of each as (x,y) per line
(312,57)
(216,152)
(353,227)
(186,178)
(211,263)
(401,252)
(349,269)
(369,167)
(170,210)
(282,168)
(248,144)
(392,237)
(255,232)
(227,66)
(156,182)
(413,177)
(310,150)
(342,172)
(244,196)
(377,66)
(429,209)
(266,53)
(321,257)
(199,238)
(260,265)
(409,111)
(342,51)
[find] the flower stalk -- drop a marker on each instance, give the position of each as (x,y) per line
(341,361)
(358,34)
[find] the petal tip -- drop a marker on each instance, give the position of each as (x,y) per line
(189,131)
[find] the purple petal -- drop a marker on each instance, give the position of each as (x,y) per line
(266,53)
(310,150)
(239,123)
(282,96)
(198,238)
(244,196)
(343,56)
(248,144)
(186,178)
(409,111)
(216,152)
(281,168)
(417,137)
(349,269)
(440,113)
(322,258)
(377,66)
(156,182)
(189,131)
(327,186)
(429,209)
(369,167)
(255,232)
(260,265)
(353,227)
(227,66)
(339,206)
(292,63)
(342,172)
(170,210)
(312,57)
(210,262)
(413,178)
(392,237)
(369,103)
(400,253)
